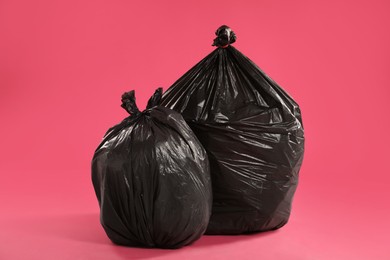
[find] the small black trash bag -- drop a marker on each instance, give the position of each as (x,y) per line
(253,134)
(152,180)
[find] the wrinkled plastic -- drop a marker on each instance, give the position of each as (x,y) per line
(151,177)
(253,134)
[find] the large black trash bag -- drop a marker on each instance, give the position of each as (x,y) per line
(152,179)
(253,134)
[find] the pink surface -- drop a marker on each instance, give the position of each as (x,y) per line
(64,65)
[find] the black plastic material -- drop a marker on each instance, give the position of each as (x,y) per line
(151,177)
(225,36)
(253,134)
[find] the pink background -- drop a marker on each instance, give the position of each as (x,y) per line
(64,65)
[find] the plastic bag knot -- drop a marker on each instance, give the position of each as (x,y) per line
(225,37)
(128,103)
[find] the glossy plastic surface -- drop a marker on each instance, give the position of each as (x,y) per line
(151,178)
(253,134)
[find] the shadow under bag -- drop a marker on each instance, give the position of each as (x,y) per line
(151,177)
(253,134)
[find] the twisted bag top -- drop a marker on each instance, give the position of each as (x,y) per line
(253,134)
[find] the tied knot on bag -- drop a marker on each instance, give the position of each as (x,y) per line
(128,103)
(225,37)
(155,100)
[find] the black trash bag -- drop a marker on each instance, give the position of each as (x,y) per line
(253,134)
(152,179)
